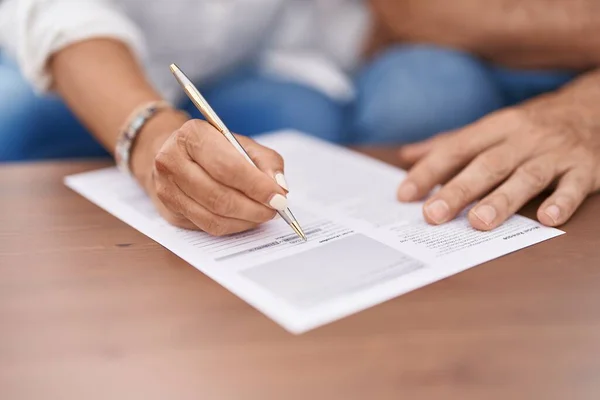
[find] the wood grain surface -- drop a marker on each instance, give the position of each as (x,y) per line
(92,309)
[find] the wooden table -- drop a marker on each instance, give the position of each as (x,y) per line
(92,309)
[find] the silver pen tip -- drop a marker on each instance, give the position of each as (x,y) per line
(296,227)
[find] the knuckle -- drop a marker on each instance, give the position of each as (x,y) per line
(503,201)
(192,135)
(189,125)
(563,138)
(181,137)
(215,227)
(516,118)
(535,174)
(222,203)
(162,163)
(494,165)
(175,219)
(584,183)
(224,168)
(460,193)
(567,201)
(429,168)
(193,125)
(454,154)
(585,156)
(164,195)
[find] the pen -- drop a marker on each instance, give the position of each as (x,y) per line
(214,120)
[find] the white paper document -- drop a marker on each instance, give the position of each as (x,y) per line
(364,247)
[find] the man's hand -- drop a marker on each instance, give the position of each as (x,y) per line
(509,157)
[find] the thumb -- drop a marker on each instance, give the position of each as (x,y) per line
(267,160)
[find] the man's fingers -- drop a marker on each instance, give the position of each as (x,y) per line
(437,167)
(570,192)
(528,181)
(411,153)
(448,156)
(477,179)
(179,203)
(267,160)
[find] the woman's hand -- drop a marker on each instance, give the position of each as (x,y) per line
(508,158)
(196,179)
(199,181)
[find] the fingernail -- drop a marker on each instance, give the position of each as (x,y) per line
(278,202)
(486,214)
(280,179)
(407,191)
(438,211)
(553,212)
(277,216)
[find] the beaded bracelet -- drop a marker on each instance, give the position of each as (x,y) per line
(132,128)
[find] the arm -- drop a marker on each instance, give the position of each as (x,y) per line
(530,33)
(88,52)
(85,50)
(101,82)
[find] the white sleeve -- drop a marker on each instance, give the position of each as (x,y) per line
(31,31)
(318,44)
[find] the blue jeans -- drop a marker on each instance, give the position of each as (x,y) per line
(413,92)
(409,93)
(33,127)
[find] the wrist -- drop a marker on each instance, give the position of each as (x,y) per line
(150,140)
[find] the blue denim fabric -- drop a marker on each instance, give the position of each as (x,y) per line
(33,127)
(407,94)
(412,92)
(251,103)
